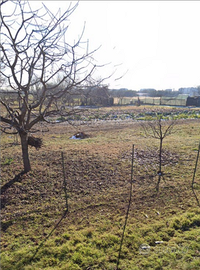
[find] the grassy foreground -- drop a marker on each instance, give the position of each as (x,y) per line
(163,229)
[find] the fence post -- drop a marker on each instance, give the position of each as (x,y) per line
(64,182)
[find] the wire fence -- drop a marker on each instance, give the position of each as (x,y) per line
(151,101)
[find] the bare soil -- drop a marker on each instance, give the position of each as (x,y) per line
(98,171)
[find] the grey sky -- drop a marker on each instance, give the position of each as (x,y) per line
(156,44)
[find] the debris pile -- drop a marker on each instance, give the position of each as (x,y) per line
(79,136)
(36,142)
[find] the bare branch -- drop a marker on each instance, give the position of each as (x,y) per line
(158,129)
(40,65)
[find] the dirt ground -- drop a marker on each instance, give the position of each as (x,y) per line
(98,170)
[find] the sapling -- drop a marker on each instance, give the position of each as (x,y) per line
(158,129)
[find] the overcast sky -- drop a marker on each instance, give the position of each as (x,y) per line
(154,44)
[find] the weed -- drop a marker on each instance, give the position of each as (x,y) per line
(7,161)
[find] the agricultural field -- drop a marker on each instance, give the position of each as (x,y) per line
(42,228)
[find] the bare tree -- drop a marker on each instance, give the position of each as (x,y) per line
(39,65)
(158,129)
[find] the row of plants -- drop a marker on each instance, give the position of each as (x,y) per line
(123,115)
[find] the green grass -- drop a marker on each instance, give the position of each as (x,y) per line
(87,247)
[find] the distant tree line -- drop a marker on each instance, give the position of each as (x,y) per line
(102,95)
(123,92)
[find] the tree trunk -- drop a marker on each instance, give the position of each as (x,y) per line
(25,155)
(160,165)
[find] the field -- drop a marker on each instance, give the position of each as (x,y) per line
(163,228)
